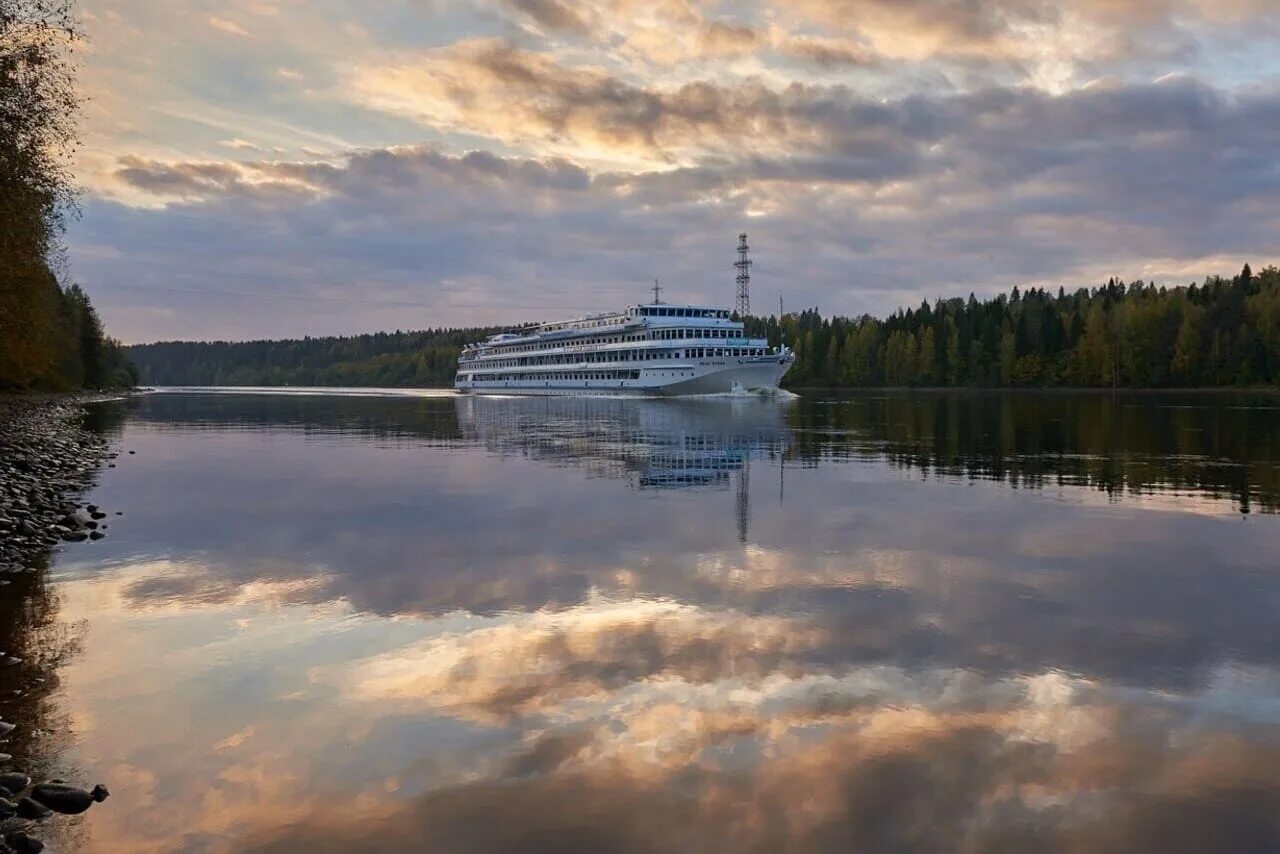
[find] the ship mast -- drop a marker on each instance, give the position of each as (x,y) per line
(657,289)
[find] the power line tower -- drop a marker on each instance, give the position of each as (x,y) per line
(743,304)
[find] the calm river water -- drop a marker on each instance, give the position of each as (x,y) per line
(867,622)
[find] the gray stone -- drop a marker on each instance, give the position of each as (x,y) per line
(14,781)
(23,843)
(62,798)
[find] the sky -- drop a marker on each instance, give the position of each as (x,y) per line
(280,168)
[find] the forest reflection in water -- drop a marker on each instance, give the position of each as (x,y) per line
(880,622)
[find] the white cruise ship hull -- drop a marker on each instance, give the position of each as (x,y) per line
(694,377)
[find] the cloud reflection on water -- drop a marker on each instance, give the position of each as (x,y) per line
(472,642)
(584,727)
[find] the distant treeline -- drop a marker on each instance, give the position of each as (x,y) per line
(1222,332)
(386,359)
(50,336)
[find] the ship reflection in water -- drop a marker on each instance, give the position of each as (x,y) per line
(651,443)
(976,622)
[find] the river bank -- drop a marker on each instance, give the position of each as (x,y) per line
(48,459)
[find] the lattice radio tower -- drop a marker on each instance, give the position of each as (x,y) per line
(743,304)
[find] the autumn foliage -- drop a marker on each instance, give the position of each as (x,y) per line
(50,336)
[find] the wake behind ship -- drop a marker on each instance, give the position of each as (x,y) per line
(653,349)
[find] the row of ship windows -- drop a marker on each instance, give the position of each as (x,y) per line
(655,335)
(629,356)
(655,311)
(673,334)
(579,375)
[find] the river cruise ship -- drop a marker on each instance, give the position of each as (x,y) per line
(654,349)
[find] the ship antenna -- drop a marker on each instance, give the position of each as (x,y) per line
(657,289)
(743,304)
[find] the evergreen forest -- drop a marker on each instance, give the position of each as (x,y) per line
(1222,332)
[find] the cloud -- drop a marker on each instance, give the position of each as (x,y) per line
(1015,40)
(186,179)
(921,28)
(1028,145)
(551,14)
(241,145)
(827,52)
(1028,32)
(519,97)
(495,89)
(228,26)
(1004,187)
(212,180)
(663,34)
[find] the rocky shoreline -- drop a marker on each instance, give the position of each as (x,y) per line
(47,462)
